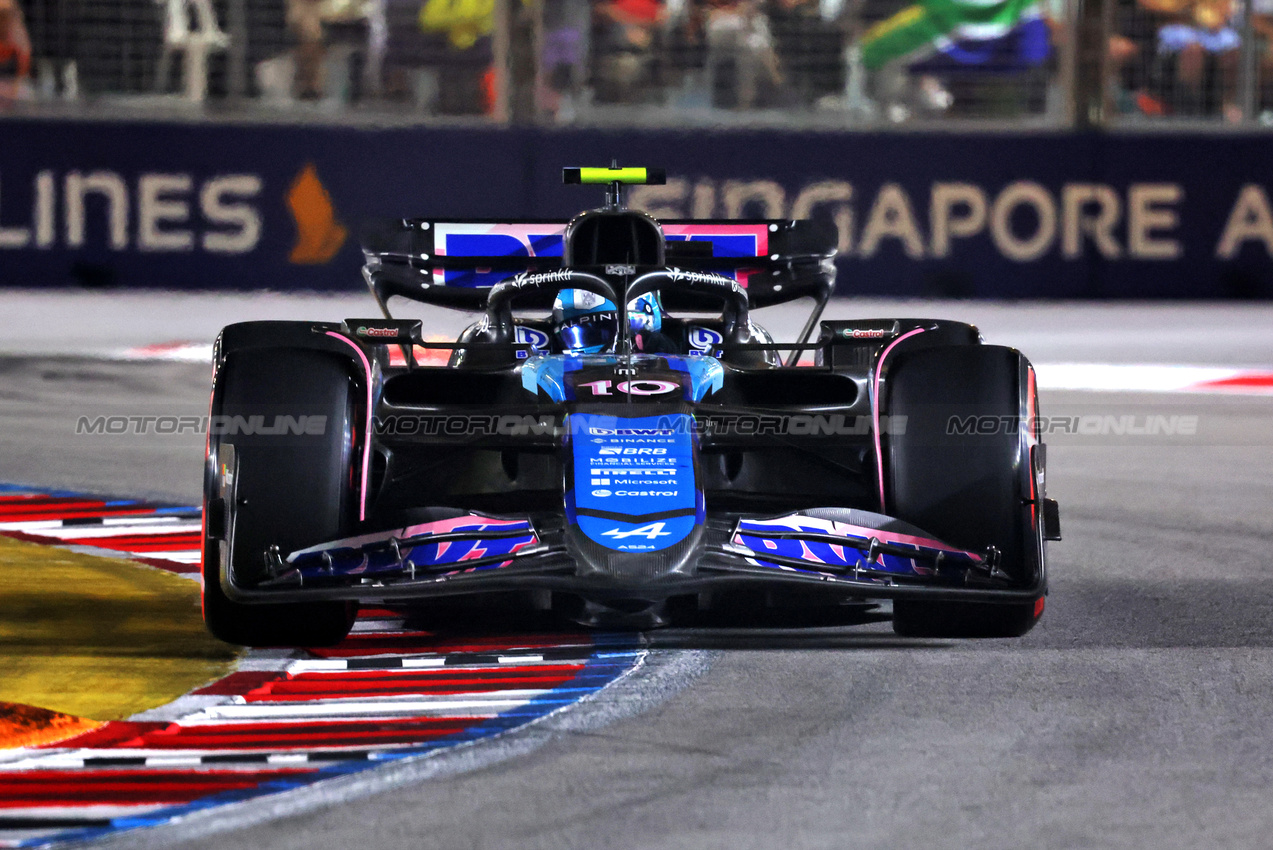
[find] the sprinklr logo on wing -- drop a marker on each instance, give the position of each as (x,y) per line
(536,279)
(319,235)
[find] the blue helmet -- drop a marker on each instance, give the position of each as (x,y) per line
(586,323)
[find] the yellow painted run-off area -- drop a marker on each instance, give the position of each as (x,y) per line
(94,639)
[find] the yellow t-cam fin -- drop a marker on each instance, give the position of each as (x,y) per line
(635,176)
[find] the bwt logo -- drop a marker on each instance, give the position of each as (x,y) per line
(163,212)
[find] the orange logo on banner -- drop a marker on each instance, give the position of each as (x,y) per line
(319,236)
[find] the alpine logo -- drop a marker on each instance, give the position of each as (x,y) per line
(649,532)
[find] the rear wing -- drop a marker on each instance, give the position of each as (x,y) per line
(455,263)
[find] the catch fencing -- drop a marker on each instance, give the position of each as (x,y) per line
(834,64)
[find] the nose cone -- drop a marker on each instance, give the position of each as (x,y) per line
(633,568)
(634,508)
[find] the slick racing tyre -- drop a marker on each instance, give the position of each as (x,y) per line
(285,488)
(962,470)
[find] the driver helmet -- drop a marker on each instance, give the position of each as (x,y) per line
(586,323)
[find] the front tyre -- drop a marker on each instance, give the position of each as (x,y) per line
(276,476)
(963,470)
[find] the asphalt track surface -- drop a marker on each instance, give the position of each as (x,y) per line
(1138,713)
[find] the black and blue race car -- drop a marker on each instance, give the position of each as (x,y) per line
(646,456)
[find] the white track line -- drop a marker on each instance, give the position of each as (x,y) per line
(89,531)
(1095,377)
(1137,377)
(384,707)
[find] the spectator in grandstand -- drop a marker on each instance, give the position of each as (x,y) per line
(465,76)
(1262,22)
(565,49)
(742,63)
(353,45)
(809,49)
(625,37)
(1131,49)
(15,52)
(305,23)
(968,43)
(1197,56)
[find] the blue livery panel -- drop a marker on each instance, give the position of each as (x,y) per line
(633,486)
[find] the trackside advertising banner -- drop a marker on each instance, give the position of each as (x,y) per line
(210,206)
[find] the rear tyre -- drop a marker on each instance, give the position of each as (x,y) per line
(969,488)
(289,489)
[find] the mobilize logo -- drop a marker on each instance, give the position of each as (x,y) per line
(649,532)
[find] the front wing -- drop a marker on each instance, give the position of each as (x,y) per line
(474,554)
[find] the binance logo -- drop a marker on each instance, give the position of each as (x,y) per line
(319,236)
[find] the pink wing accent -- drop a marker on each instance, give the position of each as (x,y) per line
(875,407)
(473,554)
(366,434)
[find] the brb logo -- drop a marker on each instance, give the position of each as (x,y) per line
(634,451)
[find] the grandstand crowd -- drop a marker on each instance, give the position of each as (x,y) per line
(884,59)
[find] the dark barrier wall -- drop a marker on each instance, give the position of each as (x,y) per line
(997,215)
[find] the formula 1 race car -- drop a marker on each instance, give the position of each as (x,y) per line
(644,450)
